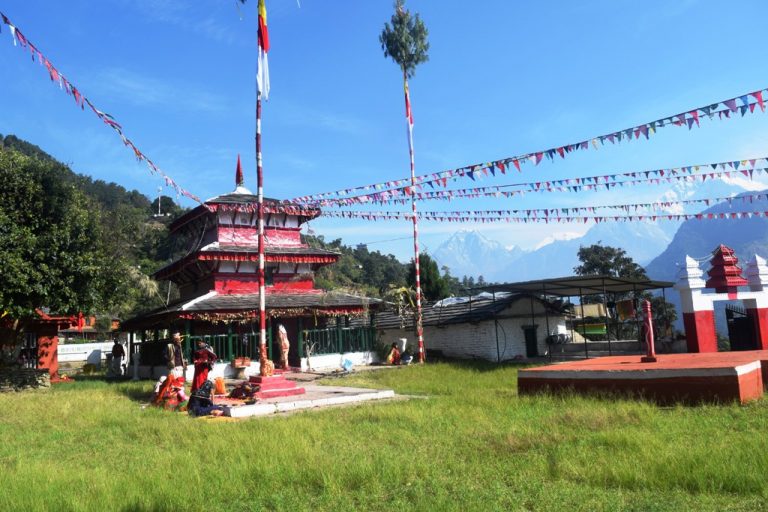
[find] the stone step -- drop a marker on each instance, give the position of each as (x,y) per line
(274,382)
(275,393)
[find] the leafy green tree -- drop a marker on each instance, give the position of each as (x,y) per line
(50,251)
(70,244)
(600,259)
(405,40)
(433,286)
(454,285)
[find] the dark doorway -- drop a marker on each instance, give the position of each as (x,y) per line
(531,345)
(741,332)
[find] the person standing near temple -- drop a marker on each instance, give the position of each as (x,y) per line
(285,346)
(203,359)
(175,356)
(118,353)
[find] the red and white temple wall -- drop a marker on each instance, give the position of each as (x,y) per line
(698,304)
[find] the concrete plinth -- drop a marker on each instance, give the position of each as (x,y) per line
(686,378)
(316,396)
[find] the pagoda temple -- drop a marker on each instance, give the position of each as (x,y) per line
(217,279)
(725,273)
(725,283)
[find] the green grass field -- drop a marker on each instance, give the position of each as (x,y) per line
(472,445)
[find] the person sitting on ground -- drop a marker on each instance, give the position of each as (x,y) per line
(201,401)
(394,355)
(169,392)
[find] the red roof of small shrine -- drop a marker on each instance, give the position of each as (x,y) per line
(725,274)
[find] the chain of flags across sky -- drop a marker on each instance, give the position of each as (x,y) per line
(549,212)
(552,219)
(746,168)
(748,103)
(398,191)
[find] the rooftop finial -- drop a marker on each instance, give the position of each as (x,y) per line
(239,181)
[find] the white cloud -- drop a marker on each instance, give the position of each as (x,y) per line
(565,235)
(308,117)
(137,89)
(202,19)
(752,185)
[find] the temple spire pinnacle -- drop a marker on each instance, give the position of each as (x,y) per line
(239,181)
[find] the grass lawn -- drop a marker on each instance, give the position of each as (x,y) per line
(473,445)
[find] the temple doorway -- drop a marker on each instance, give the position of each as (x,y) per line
(741,329)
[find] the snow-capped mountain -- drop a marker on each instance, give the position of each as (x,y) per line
(469,253)
(472,254)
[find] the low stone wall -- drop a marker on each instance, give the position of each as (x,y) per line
(19,379)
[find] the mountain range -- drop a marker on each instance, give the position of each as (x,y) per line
(658,246)
(472,254)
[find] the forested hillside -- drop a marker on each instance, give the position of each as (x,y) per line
(72,243)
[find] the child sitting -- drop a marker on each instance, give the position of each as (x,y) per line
(394,355)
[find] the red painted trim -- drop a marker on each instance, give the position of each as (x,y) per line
(248,235)
(180,265)
(700,331)
(239,284)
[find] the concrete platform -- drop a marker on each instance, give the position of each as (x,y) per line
(686,378)
(315,396)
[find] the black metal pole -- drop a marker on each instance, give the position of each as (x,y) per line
(607,323)
(546,318)
(583,325)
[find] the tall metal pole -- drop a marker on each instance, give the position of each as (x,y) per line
(260,200)
(409,121)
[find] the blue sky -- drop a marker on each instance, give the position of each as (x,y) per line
(504,78)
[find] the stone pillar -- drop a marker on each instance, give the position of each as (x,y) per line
(697,308)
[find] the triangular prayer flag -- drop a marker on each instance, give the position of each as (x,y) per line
(759,97)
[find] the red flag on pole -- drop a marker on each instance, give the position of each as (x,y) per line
(262,72)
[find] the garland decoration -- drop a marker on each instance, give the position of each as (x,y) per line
(248,316)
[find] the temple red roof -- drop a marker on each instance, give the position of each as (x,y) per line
(725,274)
(281,254)
(214,306)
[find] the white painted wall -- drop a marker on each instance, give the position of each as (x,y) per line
(320,362)
(93,353)
(333,361)
(479,340)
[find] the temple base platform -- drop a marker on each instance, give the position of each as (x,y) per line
(674,378)
(311,397)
